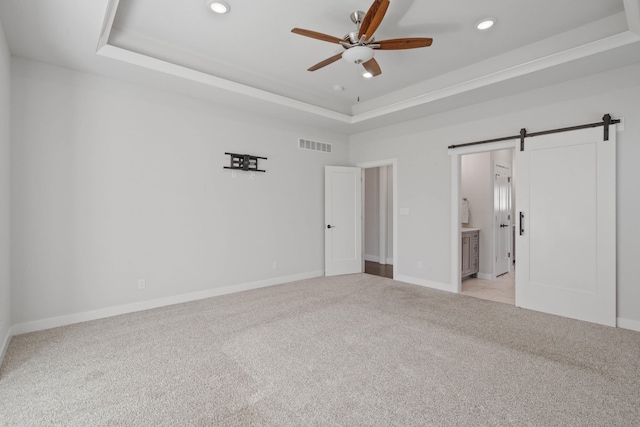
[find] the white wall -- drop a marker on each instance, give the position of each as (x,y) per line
(372,214)
(424,168)
(113,183)
(389,213)
(5,283)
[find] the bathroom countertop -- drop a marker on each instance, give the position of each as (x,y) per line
(463,230)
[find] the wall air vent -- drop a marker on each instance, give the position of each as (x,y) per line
(307,144)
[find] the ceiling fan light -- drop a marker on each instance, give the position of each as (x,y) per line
(358,54)
(485,24)
(367,75)
(219,6)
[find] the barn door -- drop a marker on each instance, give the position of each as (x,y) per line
(566,225)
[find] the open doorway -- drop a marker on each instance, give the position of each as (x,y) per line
(564,268)
(487,229)
(379,213)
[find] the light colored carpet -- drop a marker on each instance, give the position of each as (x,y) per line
(350,350)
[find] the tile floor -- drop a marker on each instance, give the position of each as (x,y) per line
(502,289)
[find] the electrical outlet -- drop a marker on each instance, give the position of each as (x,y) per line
(234,174)
(419,265)
(275,265)
(142,284)
(253,175)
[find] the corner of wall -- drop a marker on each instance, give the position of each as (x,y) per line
(5,226)
(5,344)
(632,325)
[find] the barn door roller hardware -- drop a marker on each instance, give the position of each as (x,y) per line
(605,123)
(244,162)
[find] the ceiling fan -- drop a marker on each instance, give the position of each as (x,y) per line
(359,45)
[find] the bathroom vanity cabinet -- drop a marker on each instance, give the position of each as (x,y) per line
(470,252)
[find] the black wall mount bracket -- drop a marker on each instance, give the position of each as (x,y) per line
(244,162)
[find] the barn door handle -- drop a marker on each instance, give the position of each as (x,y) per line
(521,223)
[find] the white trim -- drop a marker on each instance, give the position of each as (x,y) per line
(519,70)
(382,213)
(389,261)
(107,24)
(5,344)
(632,11)
(128,56)
(486,276)
(455,154)
(633,325)
(394,166)
(426,283)
(155,64)
(465,85)
(456,236)
(54,322)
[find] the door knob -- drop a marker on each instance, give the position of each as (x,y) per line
(331,226)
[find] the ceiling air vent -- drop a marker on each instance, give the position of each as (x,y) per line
(307,144)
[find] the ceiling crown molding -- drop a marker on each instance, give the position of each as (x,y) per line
(508,66)
(632,10)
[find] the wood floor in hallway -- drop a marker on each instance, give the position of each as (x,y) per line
(383,270)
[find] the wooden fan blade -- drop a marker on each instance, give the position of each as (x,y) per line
(316,35)
(373,67)
(373,18)
(408,43)
(325,62)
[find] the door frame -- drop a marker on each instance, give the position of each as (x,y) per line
(456,154)
(394,170)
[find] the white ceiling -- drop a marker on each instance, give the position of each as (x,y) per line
(249,57)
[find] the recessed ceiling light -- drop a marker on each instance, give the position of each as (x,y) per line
(219,6)
(485,24)
(367,75)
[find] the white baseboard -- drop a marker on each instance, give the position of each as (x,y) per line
(426,283)
(486,276)
(5,344)
(54,322)
(633,325)
(389,261)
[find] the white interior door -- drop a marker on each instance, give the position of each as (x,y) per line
(343,220)
(502,217)
(567,248)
